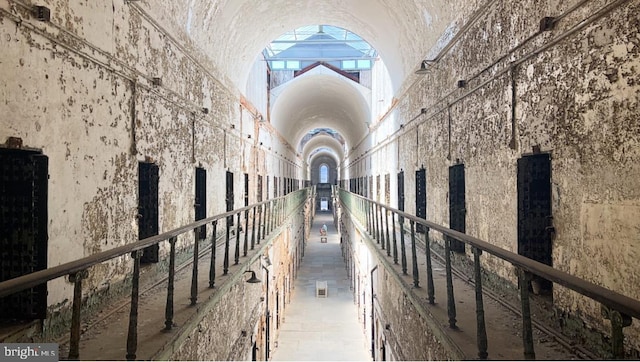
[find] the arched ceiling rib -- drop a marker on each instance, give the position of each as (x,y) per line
(320,101)
(234,32)
(323,141)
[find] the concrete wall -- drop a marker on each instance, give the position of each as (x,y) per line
(80,88)
(576,96)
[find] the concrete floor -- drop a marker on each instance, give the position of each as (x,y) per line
(322,329)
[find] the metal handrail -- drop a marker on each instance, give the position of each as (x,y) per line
(30,280)
(271,214)
(626,306)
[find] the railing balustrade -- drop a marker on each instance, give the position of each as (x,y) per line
(270,215)
(617,307)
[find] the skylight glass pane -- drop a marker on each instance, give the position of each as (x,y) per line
(277,64)
(364,64)
(293,64)
(348,64)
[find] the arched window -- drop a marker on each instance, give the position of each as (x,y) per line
(324,174)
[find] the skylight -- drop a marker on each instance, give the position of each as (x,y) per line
(304,46)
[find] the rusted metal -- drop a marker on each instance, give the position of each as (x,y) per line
(194,268)
(430,285)
(414,257)
(451,302)
(253,229)
(481,330)
(132,335)
(168,313)
(236,254)
(612,299)
(403,247)
(618,322)
(245,246)
(386,226)
(74,341)
(395,241)
(527,330)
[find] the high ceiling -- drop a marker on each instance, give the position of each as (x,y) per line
(233,33)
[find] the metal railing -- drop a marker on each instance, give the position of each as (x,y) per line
(378,219)
(265,217)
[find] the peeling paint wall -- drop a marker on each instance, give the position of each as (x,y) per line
(81,88)
(572,91)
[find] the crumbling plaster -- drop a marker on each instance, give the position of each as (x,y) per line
(576,98)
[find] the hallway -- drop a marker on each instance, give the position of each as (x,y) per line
(321,329)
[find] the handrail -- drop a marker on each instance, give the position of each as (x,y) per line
(370,213)
(30,280)
(266,217)
(606,296)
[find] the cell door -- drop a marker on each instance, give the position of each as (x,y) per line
(23,229)
(229,196)
(534,210)
(259,189)
(201,200)
(457,208)
(421,197)
(246,189)
(401,190)
(148,177)
(275,186)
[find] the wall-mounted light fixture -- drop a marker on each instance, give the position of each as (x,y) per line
(253,279)
(425,66)
(41,13)
(205,110)
(156,81)
(233,126)
(462,83)
(267,261)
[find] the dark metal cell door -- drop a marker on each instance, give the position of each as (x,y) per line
(229,196)
(246,189)
(421,197)
(457,208)
(275,186)
(201,200)
(401,190)
(259,189)
(148,177)
(534,210)
(23,229)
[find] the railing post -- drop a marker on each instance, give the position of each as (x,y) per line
(132,335)
(74,341)
(168,311)
(481,330)
(260,213)
(253,229)
(395,241)
(403,247)
(265,220)
(381,229)
(386,226)
(194,269)
(427,250)
(618,322)
(414,257)
(236,254)
(245,246)
(225,262)
(527,330)
(212,266)
(451,303)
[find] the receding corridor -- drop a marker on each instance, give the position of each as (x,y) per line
(315,328)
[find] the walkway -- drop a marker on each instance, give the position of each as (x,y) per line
(322,328)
